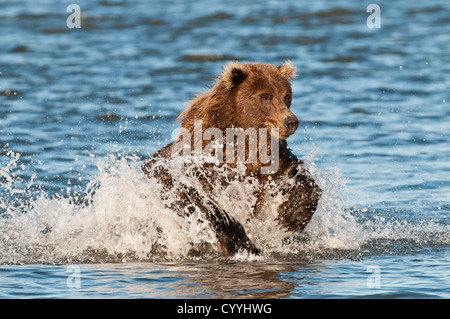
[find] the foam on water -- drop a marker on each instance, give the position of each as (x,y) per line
(121,215)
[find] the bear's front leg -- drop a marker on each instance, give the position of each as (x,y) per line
(230,234)
(301,197)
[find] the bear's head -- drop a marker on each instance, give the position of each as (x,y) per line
(261,96)
(247,102)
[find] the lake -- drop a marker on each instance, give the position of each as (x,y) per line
(82,108)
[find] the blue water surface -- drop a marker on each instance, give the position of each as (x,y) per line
(374,110)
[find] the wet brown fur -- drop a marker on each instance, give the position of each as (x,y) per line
(252,95)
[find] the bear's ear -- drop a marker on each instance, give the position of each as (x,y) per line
(233,75)
(288,70)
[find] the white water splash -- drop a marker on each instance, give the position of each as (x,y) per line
(121,216)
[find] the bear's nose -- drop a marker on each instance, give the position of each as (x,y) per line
(291,124)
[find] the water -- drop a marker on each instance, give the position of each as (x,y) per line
(81,109)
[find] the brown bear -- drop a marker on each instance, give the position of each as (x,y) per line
(251,103)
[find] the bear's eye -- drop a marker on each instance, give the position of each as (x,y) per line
(288,99)
(265,97)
